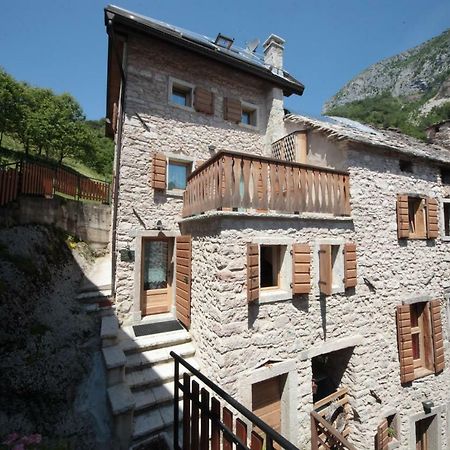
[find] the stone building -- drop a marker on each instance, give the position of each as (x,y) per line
(306,259)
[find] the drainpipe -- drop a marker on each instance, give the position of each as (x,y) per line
(112,36)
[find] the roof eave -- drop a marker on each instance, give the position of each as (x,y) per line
(120,20)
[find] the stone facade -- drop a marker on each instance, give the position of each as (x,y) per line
(440,134)
(151,124)
(234,338)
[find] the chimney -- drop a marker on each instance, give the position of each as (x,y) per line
(273,51)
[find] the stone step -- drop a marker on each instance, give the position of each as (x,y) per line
(109,330)
(154,421)
(155,396)
(155,376)
(137,361)
(94,296)
(141,344)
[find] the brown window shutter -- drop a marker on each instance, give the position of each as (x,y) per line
(232,110)
(114,117)
(203,100)
(382,438)
(349,265)
(252,272)
(325,269)
(183,247)
(159,171)
(432,218)
(402,217)
(438,341)
(405,343)
(301,269)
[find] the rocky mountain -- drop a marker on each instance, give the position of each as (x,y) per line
(407,86)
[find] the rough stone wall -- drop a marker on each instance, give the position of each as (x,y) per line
(233,337)
(440,134)
(171,129)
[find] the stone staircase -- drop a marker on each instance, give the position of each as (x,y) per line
(141,371)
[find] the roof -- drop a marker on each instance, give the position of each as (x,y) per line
(345,129)
(235,56)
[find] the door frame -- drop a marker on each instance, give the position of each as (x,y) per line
(435,428)
(140,236)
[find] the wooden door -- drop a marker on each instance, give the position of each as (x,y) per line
(266,402)
(183,279)
(155,276)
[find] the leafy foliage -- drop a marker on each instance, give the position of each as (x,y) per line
(54,125)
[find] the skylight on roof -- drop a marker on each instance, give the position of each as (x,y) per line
(224,41)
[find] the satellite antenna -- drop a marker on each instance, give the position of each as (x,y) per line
(252,45)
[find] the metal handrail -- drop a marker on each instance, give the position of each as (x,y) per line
(270,432)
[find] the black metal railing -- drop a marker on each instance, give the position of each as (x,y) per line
(208,422)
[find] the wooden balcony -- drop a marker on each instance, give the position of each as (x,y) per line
(232,181)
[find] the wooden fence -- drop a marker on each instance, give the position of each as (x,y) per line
(237,181)
(30,178)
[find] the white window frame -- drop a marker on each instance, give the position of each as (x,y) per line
(338,269)
(175,82)
(284,291)
(181,159)
(246,106)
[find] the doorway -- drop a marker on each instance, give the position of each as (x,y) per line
(157,275)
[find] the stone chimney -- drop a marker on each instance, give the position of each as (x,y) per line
(273,51)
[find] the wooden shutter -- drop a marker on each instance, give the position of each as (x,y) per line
(382,438)
(159,171)
(301,269)
(438,341)
(349,265)
(325,269)
(402,217)
(114,117)
(405,343)
(432,218)
(203,100)
(232,110)
(252,272)
(183,279)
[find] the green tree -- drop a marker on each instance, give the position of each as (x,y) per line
(9,110)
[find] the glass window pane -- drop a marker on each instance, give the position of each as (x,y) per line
(155,265)
(177,176)
(180,97)
(246,118)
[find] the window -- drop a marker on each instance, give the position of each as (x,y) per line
(405,166)
(248,116)
(445,175)
(416,217)
(446,207)
(337,267)
(421,347)
(180,93)
(270,265)
(178,173)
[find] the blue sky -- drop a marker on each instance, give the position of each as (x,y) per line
(61,44)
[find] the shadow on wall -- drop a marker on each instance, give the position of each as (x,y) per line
(50,345)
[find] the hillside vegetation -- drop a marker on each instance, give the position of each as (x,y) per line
(37,122)
(408,91)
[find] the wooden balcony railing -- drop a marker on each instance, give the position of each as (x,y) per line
(329,424)
(234,181)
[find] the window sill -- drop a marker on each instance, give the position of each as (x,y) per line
(176,193)
(445,238)
(422,372)
(393,444)
(275,295)
(185,108)
(248,127)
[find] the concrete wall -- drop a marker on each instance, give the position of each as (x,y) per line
(90,222)
(177,131)
(233,337)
